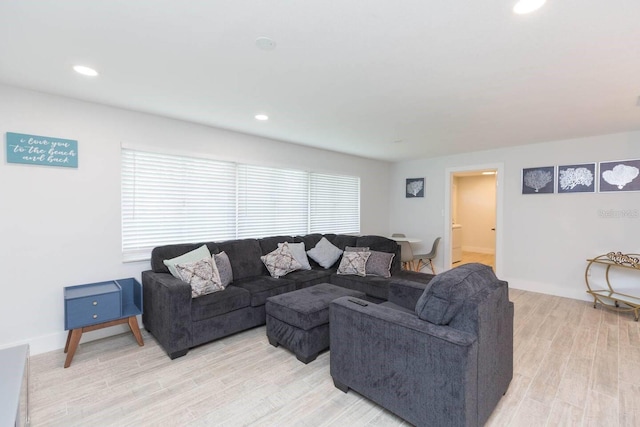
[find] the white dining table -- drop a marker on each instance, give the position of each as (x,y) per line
(406,239)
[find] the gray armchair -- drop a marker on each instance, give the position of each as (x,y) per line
(439,354)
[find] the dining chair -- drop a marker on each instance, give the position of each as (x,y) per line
(406,253)
(423,258)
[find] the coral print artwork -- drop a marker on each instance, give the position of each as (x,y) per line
(622,175)
(538,180)
(577,178)
(415,187)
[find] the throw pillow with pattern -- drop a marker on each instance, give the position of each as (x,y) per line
(354,263)
(203,276)
(281,261)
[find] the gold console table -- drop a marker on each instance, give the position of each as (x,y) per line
(614,259)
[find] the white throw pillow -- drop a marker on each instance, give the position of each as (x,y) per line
(297,249)
(325,253)
(195,255)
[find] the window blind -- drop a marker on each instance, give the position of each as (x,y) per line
(334,204)
(170,199)
(272,202)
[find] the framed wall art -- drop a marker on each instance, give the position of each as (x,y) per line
(414,187)
(619,176)
(579,178)
(538,180)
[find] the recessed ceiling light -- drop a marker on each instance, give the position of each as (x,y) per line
(489,173)
(261,117)
(265,43)
(527,6)
(85,71)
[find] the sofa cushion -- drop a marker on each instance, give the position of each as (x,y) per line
(379,264)
(354,263)
(269,244)
(245,258)
(325,253)
(201,252)
(446,293)
(224,268)
(374,286)
(343,240)
(306,278)
(299,253)
(218,303)
(263,287)
(202,276)
(280,262)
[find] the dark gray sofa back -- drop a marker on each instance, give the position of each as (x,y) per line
(160,253)
(245,256)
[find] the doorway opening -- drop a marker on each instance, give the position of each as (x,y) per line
(473,215)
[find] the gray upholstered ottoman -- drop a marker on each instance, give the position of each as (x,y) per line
(299,320)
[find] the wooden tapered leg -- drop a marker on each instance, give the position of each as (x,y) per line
(73,341)
(66,346)
(133,325)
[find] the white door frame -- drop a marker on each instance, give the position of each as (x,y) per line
(499,167)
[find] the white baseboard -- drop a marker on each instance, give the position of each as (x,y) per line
(578,293)
(57,341)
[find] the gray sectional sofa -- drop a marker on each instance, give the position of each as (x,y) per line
(180,322)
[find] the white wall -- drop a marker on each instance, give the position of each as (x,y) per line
(546,238)
(61,227)
(476,206)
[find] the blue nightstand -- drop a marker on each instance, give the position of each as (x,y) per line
(100,305)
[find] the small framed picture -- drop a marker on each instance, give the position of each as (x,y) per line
(618,176)
(577,178)
(415,187)
(538,180)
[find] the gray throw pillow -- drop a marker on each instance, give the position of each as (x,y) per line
(379,264)
(446,292)
(325,253)
(224,268)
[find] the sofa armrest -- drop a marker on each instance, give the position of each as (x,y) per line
(167,311)
(425,373)
(406,293)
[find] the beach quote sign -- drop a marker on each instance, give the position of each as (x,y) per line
(41,150)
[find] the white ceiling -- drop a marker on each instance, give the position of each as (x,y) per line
(443,76)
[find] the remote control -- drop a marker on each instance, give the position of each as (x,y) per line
(357,301)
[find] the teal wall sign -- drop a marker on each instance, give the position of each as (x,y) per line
(41,150)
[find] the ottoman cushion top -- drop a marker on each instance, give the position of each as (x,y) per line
(309,307)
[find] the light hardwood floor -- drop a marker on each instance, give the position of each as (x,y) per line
(468,257)
(573,365)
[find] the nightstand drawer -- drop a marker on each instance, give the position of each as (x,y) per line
(86,305)
(93,309)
